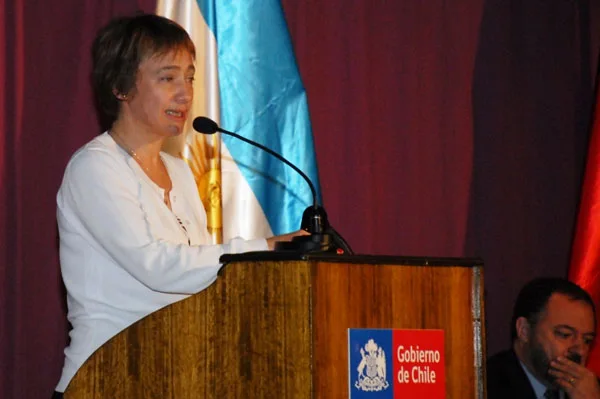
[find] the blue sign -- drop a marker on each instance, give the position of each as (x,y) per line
(370,361)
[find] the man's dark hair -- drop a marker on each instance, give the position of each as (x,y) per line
(118,50)
(533,298)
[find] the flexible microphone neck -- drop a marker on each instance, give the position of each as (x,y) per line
(314,218)
(206,125)
(281,158)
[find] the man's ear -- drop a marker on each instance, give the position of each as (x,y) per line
(523,329)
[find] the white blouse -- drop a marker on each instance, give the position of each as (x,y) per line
(123,252)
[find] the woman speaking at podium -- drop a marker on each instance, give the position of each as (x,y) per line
(133,232)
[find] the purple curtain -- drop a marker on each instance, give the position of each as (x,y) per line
(533,91)
(441,129)
(46,114)
(389,90)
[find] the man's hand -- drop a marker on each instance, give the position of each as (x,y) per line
(576,380)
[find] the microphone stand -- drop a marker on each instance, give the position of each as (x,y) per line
(322,238)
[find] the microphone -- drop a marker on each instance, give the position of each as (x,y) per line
(206,125)
(314,219)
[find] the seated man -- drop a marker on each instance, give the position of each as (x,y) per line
(553,327)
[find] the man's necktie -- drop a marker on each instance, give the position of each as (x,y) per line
(551,394)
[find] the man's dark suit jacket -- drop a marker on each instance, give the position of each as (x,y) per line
(506,378)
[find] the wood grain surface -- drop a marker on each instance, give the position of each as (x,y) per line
(278,329)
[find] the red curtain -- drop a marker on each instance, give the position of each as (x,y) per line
(585,258)
(441,129)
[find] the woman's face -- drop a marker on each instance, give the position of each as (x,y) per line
(161,99)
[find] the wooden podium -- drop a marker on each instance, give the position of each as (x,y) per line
(276,326)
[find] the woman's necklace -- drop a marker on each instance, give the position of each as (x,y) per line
(167,191)
(119,140)
(128,150)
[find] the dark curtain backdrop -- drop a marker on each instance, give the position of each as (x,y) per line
(441,128)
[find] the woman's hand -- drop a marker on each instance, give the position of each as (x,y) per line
(285,237)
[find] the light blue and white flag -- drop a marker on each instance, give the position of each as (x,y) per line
(247,80)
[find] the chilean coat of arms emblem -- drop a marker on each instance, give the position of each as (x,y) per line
(371,369)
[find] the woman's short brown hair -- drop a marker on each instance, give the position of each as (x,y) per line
(118,50)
